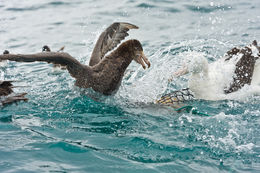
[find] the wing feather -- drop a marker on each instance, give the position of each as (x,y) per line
(109,39)
(64,59)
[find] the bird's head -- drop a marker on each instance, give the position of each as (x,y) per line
(46,48)
(6,52)
(139,56)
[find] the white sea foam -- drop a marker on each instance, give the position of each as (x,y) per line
(245,147)
(24,123)
(147,85)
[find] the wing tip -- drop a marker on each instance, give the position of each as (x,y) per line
(128,25)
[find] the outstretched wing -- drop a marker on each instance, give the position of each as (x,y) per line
(109,39)
(64,59)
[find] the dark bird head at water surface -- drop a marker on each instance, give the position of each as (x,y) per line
(46,48)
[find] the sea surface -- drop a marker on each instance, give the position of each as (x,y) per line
(66,129)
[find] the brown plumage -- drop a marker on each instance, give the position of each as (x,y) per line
(244,67)
(104,73)
(6,90)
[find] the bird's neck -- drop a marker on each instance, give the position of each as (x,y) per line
(106,76)
(123,55)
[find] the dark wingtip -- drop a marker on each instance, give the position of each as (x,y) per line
(6,52)
(46,48)
(129,25)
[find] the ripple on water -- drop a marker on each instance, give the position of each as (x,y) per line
(22,9)
(145,5)
(59,3)
(207,9)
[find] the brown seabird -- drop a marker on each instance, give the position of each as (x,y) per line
(104,73)
(6,88)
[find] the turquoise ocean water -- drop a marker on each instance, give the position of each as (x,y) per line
(65,129)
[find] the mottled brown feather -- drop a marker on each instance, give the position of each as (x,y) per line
(244,67)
